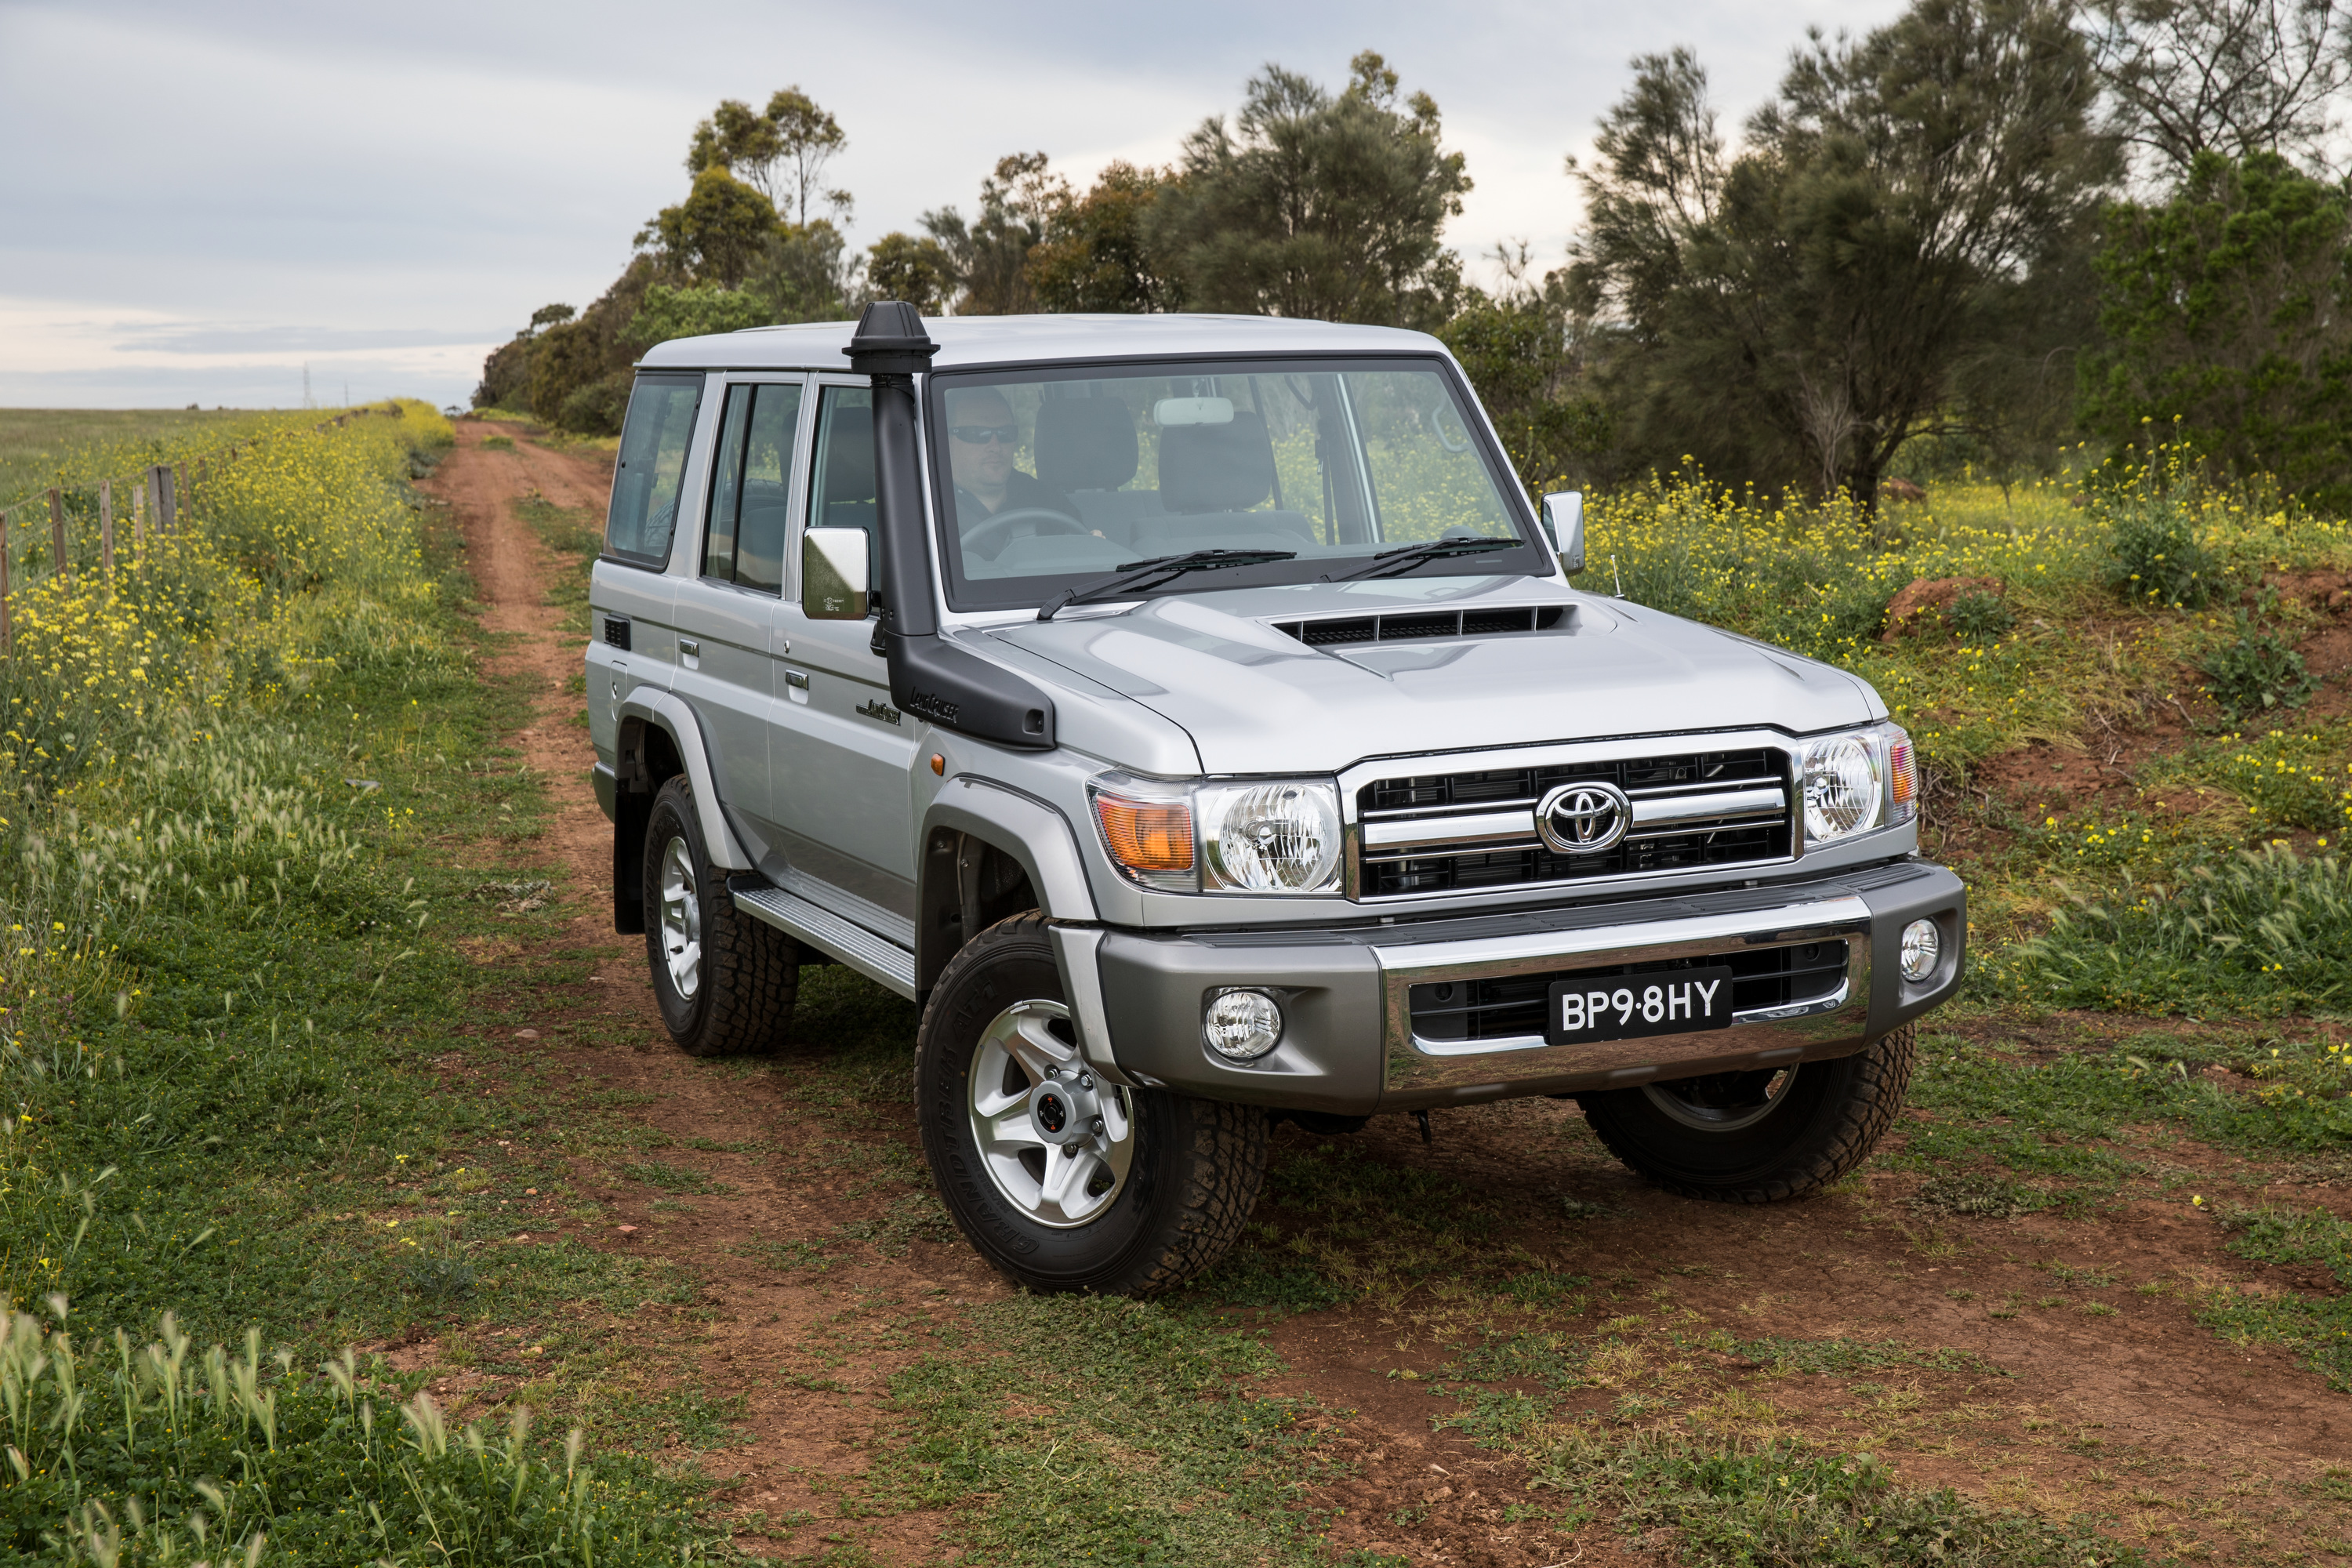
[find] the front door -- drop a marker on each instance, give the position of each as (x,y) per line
(841,758)
(725,610)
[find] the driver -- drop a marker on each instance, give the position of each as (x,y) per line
(982,436)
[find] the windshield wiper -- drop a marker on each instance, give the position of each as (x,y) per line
(1389,562)
(1159,569)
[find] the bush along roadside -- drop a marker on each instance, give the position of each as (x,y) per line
(230,776)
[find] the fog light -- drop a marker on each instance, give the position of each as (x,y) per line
(1242,1025)
(1921,948)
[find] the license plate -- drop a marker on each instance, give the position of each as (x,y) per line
(1628,1007)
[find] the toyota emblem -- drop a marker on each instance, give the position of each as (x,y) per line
(1583,818)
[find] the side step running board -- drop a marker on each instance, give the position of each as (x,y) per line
(877,958)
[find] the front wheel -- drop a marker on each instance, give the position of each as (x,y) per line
(1758,1137)
(1062,1181)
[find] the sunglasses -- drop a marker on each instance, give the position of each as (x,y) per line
(980,435)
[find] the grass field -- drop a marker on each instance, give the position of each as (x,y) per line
(282,923)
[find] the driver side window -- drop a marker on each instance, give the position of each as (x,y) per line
(840,483)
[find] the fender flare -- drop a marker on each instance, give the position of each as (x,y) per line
(670,714)
(1033,834)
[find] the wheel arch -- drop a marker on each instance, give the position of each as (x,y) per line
(988,851)
(659,738)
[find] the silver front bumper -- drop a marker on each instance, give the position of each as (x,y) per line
(1831,1025)
(1349,1045)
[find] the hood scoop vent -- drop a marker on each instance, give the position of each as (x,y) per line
(1424,625)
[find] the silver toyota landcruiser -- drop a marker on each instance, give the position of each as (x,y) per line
(1193,718)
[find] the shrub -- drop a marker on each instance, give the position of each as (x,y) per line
(596,408)
(2159,562)
(1981,618)
(2255,670)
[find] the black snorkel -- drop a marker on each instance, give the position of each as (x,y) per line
(949,686)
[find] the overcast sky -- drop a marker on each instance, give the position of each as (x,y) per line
(196,202)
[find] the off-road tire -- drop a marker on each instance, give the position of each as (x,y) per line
(750,971)
(1197,1167)
(1833,1115)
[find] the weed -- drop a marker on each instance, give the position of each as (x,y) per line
(112,1455)
(1979,1196)
(2159,561)
(673,1178)
(2255,670)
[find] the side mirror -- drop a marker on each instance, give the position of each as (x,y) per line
(1563,515)
(833,573)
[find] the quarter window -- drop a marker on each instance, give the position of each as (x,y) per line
(745,542)
(652,469)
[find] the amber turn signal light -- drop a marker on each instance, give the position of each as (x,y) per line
(1146,835)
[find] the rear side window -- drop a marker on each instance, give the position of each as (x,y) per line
(745,542)
(841,486)
(652,470)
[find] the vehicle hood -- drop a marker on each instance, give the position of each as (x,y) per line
(1256,699)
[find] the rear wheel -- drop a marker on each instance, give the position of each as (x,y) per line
(1758,1137)
(1065,1181)
(724,981)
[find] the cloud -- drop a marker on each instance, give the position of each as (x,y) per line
(263,183)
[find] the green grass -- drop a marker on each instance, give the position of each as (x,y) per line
(236,998)
(2318,1328)
(1069,1429)
(34,442)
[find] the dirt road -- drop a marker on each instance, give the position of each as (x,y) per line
(2084,1391)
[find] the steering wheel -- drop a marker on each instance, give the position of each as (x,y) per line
(989,538)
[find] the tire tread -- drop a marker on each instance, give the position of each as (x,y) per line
(1882,1077)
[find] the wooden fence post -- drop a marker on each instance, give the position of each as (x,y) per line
(180,498)
(106,529)
(63,565)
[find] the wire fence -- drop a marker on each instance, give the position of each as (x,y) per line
(162,498)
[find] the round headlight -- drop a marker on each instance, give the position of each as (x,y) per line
(1840,787)
(1242,1025)
(1922,946)
(1273,838)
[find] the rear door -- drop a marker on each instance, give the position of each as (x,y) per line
(633,637)
(727,607)
(842,758)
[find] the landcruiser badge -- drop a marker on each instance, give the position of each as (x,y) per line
(878,710)
(1583,818)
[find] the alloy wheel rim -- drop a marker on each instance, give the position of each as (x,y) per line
(681,920)
(1056,1142)
(1724,1102)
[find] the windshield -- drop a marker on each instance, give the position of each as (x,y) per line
(1052,478)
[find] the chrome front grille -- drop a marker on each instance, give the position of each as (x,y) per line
(1450,832)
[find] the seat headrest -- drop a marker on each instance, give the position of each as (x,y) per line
(1085,444)
(1216,467)
(849,456)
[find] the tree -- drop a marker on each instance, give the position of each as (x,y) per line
(1097,254)
(717,233)
(693,310)
(781,153)
(1317,206)
(2229,306)
(900,267)
(802,273)
(2232,76)
(1864,263)
(1522,348)
(506,374)
(989,257)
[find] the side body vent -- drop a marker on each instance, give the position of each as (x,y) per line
(616,631)
(1424,623)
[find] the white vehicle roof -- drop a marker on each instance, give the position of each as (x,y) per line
(966,341)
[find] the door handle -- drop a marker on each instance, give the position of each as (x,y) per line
(797,680)
(690,646)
